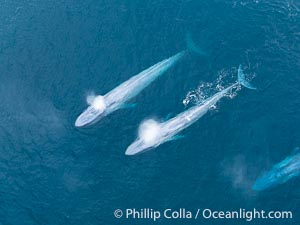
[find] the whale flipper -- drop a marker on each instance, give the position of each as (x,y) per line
(191,46)
(242,79)
(176,137)
(169,116)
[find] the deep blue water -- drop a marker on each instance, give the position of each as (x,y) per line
(54,53)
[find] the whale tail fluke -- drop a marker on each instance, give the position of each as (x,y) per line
(192,47)
(242,79)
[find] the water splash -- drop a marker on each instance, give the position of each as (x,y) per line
(206,89)
(198,95)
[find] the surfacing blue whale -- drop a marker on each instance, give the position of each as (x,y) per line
(101,106)
(280,173)
(152,133)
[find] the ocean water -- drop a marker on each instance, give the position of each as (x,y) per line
(53,54)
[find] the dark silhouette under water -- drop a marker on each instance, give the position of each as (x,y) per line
(280,173)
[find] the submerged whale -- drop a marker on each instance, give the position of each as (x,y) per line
(153,133)
(101,106)
(280,173)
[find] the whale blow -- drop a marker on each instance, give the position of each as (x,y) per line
(99,103)
(149,131)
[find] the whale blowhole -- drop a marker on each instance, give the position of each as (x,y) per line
(97,102)
(149,131)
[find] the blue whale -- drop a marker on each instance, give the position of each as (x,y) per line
(152,134)
(280,173)
(117,98)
